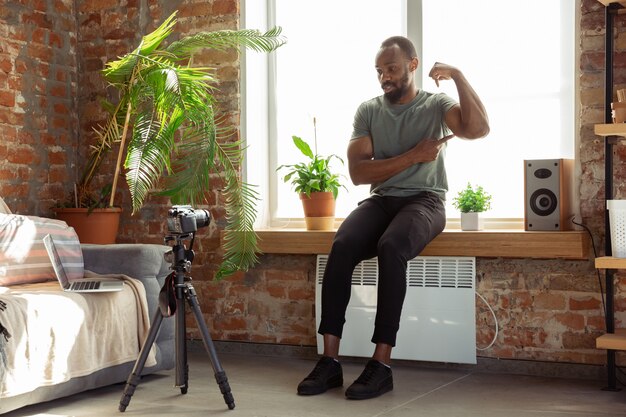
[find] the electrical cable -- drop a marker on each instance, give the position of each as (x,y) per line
(495,319)
(595,255)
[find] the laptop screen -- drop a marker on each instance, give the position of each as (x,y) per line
(56,261)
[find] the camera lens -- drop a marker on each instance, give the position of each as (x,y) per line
(203,218)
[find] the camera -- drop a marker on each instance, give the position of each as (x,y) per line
(185,219)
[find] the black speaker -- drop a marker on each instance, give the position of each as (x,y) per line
(547,194)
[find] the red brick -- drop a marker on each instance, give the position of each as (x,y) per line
(549,301)
(222,7)
(56,158)
(298,294)
(61,8)
(7,98)
(25,137)
(55,40)
(572,340)
(6,64)
(39,36)
(61,75)
(230,323)
(58,175)
(586,303)
(571,321)
(7,174)
(276,291)
(40,5)
(15,82)
(61,108)
(58,91)
(38,19)
(43,69)
(24,156)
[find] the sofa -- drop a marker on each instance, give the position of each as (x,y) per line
(146,265)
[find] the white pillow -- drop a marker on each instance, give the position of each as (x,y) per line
(23,256)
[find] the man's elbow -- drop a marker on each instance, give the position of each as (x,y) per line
(356,180)
(476,133)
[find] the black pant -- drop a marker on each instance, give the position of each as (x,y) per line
(396,229)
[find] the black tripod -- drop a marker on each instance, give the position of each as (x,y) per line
(180,284)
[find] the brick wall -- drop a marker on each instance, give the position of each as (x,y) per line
(547,310)
(38,121)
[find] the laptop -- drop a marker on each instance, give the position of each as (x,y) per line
(81,285)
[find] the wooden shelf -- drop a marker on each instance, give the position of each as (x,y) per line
(610,262)
(487,243)
(610,129)
(608,2)
(613,341)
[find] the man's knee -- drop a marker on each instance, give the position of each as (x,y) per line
(389,248)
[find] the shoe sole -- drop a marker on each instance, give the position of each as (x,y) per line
(367,396)
(331,384)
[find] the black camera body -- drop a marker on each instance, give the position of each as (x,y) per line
(185,219)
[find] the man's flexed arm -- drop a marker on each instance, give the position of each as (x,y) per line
(469,119)
(366,170)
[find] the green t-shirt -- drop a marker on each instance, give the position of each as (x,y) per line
(395,129)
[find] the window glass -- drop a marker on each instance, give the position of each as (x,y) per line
(524,77)
(324,72)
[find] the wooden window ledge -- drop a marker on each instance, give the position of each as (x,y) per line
(484,243)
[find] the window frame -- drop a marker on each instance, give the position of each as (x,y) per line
(260,70)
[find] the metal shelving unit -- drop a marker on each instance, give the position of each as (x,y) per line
(614,339)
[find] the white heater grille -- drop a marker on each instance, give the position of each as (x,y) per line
(438,317)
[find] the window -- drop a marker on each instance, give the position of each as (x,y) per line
(524,77)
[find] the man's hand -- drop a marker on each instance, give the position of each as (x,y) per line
(427,150)
(441,71)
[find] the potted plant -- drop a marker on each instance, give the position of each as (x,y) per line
(168,136)
(90,215)
(316,184)
(470,202)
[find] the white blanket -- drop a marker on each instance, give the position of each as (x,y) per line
(57,335)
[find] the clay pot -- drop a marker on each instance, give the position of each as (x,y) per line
(98,226)
(319,210)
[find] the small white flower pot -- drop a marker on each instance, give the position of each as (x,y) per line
(471,221)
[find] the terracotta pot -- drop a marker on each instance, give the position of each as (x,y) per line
(100,226)
(319,210)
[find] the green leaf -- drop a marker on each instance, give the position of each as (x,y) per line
(303,146)
(176,145)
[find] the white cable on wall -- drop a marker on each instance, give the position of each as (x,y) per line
(495,319)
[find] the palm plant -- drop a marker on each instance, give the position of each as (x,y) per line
(166,113)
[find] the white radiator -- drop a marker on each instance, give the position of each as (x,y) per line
(438,321)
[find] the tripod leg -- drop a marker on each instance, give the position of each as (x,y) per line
(182,367)
(133,378)
(220,375)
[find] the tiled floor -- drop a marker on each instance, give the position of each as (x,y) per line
(266,386)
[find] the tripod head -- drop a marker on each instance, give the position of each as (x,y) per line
(179,256)
(182,223)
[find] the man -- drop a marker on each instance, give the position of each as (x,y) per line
(396,147)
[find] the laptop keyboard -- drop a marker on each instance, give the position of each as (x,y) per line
(85,285)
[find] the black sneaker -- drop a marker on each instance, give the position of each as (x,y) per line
(326,374)
(376,379)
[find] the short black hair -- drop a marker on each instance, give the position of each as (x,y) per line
(403,43)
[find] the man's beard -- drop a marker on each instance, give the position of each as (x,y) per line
(395,95)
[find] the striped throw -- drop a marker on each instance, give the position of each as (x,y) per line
(23,256)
